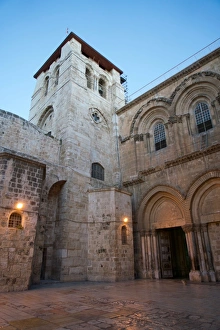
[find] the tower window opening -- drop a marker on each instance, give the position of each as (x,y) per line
(46,85)
(88,78)
(102,88)
(57,73)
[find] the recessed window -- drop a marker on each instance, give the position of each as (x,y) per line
(159,136)
(88,78)
(203,119)
(124,235)
(14,220)
(97,171)
(102,88)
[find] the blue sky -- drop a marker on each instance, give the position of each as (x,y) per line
(144,38)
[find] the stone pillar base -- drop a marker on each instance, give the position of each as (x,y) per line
(150,274)
(157,274)
(212,276)
(195,276)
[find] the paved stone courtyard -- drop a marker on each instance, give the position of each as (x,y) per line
(132,305)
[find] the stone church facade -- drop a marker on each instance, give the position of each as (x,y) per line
(95,189)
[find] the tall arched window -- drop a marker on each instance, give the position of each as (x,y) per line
(124,235)
(159,136)
(88,78)
(97,171)
(46,85)
(14,220)
(203,119)
(102,88)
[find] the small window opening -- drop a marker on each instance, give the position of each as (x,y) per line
(14,220)
(124,235)
(159,137)
(89,78)
(203,119)
(97,171)
(102,88)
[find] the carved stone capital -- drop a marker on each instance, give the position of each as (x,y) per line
(188,228)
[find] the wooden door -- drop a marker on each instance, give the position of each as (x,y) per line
(165,254)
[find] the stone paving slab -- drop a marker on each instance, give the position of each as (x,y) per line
(132,305)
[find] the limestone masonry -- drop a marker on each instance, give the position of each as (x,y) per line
(92,188)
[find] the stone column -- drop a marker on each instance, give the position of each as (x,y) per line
(202,261)
(194,274)
(156,254)
(149,254)
(143,249)
(207,252)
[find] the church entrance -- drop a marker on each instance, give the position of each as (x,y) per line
(174,258)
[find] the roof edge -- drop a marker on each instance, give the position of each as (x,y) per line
(187,70)
(86,50)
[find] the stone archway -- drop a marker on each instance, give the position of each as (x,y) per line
(163,243)
(204,202)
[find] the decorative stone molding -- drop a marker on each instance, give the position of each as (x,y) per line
(192,156)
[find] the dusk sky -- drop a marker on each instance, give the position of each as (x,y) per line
(144,38)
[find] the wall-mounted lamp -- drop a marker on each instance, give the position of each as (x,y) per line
(19,206)
(125,219)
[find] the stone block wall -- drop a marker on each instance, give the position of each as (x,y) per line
(20,182)
(108,258)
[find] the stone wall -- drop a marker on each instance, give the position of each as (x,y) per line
(109,258)
(21,181)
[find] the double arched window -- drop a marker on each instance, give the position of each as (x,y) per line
(159,136)
(203,119)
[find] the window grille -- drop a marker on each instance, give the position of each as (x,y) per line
(97,171)
(203,119)
(159,137)
(124,235)
(14,220)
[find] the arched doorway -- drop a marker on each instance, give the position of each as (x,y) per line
(163,241)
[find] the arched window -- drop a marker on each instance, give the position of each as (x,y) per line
(203,119)
(46,85)
(14,220)
(57,73)
(124,235)
(159,136)
(88,78)
(97,171)
(46,120)
(102,88)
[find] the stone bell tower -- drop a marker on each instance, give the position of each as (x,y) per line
(77,94)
